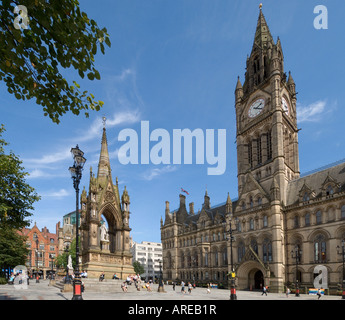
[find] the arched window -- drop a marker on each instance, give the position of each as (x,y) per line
(306,196)
(265,221)
(318,217)
(320,248)
(296,221)
(251,224)
(267,250)
(343,212)
(259,201)
(216,259)
(254,246)
(250,155)
(241,250)
(225,256)
(239,226)
(251,203)
(258,150)
(307,219)
(269,145)
(329,190)
(182,260)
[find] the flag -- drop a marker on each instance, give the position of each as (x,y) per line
(182,190)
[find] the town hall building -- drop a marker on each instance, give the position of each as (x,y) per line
(285,225)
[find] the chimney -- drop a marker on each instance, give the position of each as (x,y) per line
(191,208)
(182,200)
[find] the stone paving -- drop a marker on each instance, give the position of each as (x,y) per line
(42,291)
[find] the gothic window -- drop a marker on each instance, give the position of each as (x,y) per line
(259,201)
(267,250)
(318,217)
(206,259)
(250,154)
(269,145)
(265,222)
(243,205)
(239,226)
(307,219)
(251,224)
(306,197)
(329,190)
(258,150)
(241,251)
(251,202)
(254,245)
(225,256)
(182,260)
(320,248)
(296,221)
(343,212)
(216,259)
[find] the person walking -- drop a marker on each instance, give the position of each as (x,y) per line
(189,288)
(318,294)
(182,287)
(174,284)
(287,292)
(264,291)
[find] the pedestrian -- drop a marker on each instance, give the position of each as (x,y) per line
(182,287)
(287,292)
(174,284)
(318,293)
(264,291)
(208,290)
(189,288)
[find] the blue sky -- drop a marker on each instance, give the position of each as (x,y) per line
(175,64)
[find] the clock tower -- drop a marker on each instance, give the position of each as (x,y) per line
(267,134)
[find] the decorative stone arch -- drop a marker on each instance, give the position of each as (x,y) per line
(247,275)
(109,212)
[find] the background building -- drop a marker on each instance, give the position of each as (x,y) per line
(43,248)
(148,254)
(287,224)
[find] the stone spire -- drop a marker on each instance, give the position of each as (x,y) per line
(262,35)
(104,163)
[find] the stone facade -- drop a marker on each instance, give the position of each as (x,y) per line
(277,209)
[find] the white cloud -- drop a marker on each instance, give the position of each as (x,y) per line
(153,173)
(51,158)
(313,112)
(56,194)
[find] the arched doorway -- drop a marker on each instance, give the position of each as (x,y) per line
(258,280)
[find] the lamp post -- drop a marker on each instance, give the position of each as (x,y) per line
(67,279)
(36,240)
(230,237)
(342,252)
(296,254)
(160,284)
(75,171)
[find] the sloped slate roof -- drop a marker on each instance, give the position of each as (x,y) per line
(315,182)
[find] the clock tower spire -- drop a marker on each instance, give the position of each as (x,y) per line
(267,142)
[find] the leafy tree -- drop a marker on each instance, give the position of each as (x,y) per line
(13,249)
(41,38)
(16,196)
(138,267)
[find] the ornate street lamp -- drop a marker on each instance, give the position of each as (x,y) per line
(75,171)
(36,240)
(296,254)
(233,295)
(342,252)
(161,284)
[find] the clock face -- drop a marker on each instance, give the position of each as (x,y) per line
(285,106)
(256,108)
